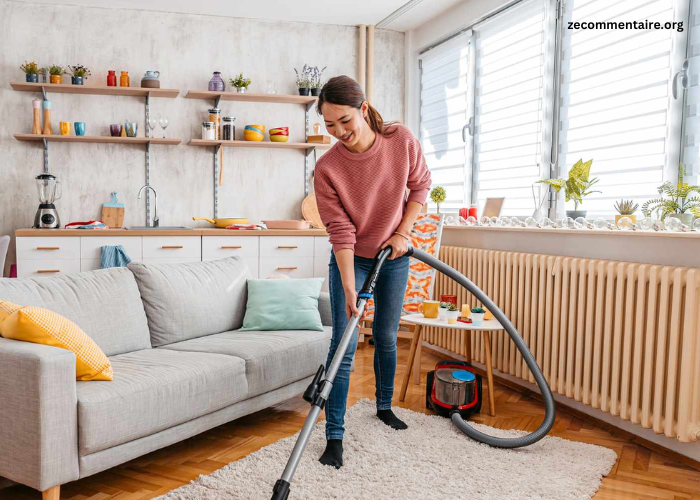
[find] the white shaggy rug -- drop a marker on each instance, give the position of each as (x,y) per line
(432,459)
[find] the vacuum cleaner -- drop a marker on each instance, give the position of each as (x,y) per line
(458,378)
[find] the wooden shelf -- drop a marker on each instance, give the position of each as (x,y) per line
(97,138)
(247,97)
(67,88)
(259,144)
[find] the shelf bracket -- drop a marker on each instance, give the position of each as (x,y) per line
(216,180)
(46,156)
(307,169)
(217,101)
(148,114)
(43,93)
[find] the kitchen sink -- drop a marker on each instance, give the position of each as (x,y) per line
(159,228)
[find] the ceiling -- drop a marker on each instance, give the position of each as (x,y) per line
(318,11)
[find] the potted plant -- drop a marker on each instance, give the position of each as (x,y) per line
(626,208)
(442,311)
(477,316)
(56,73)
(452,313)
(438,195)
(78,74)
(315,83)
(678,204)
(240,83)
(31,71)
(576,187)
(304,80)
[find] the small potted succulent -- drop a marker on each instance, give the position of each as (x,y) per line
(240,83)
(477,316)
(303,80)
(78,73)
(442,311)
(56,73)
(316,83)
(452,313)
(438,195)
(626,208)
(31,70)
(679,201)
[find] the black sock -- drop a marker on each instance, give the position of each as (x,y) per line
(388,417)
(333,454)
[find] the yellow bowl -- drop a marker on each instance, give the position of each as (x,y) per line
(252,136)
(279,138)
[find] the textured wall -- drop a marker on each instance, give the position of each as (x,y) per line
(186,49)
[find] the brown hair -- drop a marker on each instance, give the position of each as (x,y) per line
(344,91)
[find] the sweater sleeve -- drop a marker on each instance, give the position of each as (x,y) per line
(333,215)
(419,179)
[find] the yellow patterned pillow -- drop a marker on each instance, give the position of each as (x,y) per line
(41,326)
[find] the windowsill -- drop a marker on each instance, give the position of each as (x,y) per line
(577,232)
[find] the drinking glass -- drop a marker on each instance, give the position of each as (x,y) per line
(163,121)
(152,122)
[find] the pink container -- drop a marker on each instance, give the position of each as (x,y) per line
(286,224)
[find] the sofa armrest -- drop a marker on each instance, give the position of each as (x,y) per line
(324,307)
(38,414)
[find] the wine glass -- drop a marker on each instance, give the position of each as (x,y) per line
(163,121)
(152,122)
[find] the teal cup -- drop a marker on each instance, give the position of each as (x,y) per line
(131,129)
(80,128)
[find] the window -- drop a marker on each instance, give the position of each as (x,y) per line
(492,103)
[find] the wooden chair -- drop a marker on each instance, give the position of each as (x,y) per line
(425,235)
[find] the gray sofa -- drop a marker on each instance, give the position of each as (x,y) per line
(180,367)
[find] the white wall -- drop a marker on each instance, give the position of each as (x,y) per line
(186,49)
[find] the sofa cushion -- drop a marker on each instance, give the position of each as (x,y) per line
(273,358)
(105,304)
(152,390)
(186,301)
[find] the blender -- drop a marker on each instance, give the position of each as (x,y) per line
(46,216)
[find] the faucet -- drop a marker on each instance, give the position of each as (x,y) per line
(156,221)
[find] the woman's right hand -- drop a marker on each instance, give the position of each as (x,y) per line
(351,302)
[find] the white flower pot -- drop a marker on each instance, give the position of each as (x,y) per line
(452,317)
(442,314)
(477,319)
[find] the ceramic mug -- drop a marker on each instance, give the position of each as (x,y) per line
(79,128)
(429,308)
(131,129)
(64,127)
(115,129)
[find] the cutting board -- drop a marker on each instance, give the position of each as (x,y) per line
(309,209)
(113,212)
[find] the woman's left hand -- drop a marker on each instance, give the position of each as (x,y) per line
(399,246)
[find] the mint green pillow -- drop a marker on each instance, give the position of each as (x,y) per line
(283,304)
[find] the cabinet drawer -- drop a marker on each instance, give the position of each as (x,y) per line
(252,263)
(46,267)
(286,246)
(171,260)
(93,264)
(91,246)
(48,248)
(218,247)
(169,247)
(322,248)
(301,267)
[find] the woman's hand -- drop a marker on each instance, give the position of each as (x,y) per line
(351,302)
(399,245)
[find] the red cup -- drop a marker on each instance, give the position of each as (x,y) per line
(472,212)
(449,298)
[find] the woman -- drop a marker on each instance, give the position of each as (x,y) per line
(360,186)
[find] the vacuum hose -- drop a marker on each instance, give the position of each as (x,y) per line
(457,419)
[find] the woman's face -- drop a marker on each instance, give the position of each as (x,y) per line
(345,123)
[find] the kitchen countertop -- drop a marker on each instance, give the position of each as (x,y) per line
(168,232)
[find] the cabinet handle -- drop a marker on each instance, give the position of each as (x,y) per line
(287,246)
(171,246)
(48,271)
(48,248)
(287,268)
(231,246)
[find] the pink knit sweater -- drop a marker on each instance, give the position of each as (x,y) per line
(362,197)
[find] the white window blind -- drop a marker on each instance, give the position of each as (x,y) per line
(443,115)
(615,94)
(509,106)
(691,139)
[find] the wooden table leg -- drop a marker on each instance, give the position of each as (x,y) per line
(467,345)
(417,362)
(489,373)
(409,364)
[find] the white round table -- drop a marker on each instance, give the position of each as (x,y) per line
(486,327)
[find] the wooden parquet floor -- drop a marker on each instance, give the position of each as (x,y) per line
(638,474)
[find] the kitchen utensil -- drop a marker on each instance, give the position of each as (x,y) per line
(47,130)
(223,222)
(309,209)
(49,190)
(113,212)
(79,128)
(36,124)
(286,224)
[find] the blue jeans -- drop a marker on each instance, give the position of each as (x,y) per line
(388,302)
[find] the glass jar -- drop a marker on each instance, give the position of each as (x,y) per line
(215,117)
(124,79)
(208,132)
(228,129)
